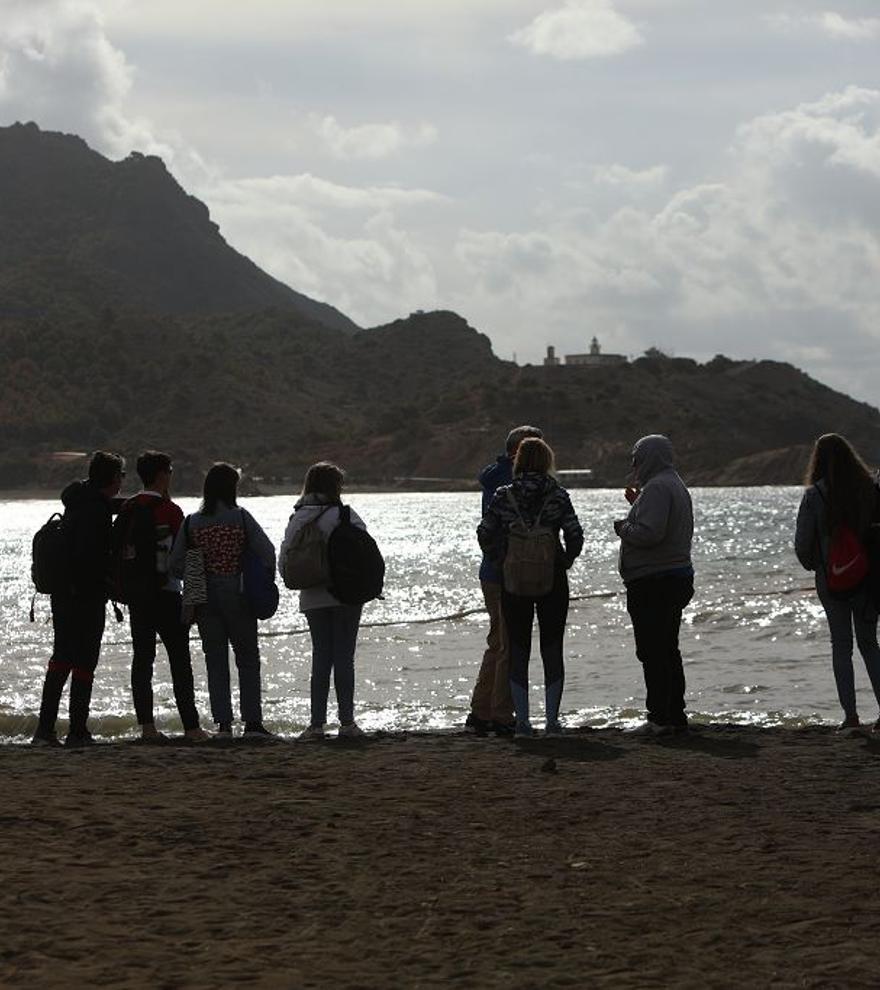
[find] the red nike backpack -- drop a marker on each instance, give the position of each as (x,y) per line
(847,565)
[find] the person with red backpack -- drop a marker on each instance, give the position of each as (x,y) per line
(836,513)
(144,534)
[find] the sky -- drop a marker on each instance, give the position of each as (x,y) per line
(691,175)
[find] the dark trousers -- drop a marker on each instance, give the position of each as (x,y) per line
(160,615)
(655,605)
(78,627)
(334,633)
(519,614)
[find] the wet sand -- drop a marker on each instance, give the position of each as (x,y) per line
(728,858)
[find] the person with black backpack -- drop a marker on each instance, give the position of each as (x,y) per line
(520,535)
(80,591)
(144,534)
(223,536)
(834,521)
(328,555)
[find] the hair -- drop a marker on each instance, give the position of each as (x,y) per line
(221,483)
(151,464)
(324,478)
(850,491)
(518,434)
(534,456)
(104,468)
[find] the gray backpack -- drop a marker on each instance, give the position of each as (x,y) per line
(305,564)
(530,563)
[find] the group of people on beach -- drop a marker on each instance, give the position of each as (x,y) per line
(530,536)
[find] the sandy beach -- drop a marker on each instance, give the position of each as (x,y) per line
(729,858)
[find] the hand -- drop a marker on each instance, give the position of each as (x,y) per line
(617,524)
(631,494)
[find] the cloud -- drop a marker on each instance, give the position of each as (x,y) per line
(580,29)
(830,23)
(369,141)
(620,175)
(777,258)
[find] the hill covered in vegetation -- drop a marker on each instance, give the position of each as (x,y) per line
(126,321)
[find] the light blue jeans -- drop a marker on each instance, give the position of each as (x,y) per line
(334,638)
(845,616)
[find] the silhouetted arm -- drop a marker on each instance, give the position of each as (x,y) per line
(645,526)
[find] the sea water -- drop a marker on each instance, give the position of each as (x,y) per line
(754,639)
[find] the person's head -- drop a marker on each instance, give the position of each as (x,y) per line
(533,456)
(517,435)
(849,488)
(324,479)
(651,455)
(106,472)
(154,469)
(221,485)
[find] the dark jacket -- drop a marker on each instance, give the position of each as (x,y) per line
(88,525)
(530,491)
(492,477)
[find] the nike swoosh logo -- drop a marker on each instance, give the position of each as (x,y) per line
(837,571)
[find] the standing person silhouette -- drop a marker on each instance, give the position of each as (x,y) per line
(491,702)
(840,494)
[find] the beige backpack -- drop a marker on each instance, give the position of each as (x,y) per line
(305,564)
(530,563)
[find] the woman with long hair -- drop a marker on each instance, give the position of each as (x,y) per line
(333,625)
(840,495)
(535,500)
(222,531)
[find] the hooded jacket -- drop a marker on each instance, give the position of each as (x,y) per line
(492,477)
(531,491)
(88,525)
(656,535)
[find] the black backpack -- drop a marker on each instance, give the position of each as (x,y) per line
(357,568)
(133,571)
(50,556)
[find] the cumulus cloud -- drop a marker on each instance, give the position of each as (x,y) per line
(369,141)
(580,29)
(622,176)
(780,257)
(831,23)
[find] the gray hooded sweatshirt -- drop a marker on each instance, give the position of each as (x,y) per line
(656,535)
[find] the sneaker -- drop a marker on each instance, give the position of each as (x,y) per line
(478,726)
(850,726)
(314,733)
(154,738)
(553,730)
(876,726)
(256,730)
(351,731)
(650,728)
(224,730)
(523,730)
(46,739)
(197,735)
(79,740)
(504,729)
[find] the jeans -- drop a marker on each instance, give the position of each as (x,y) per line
(655,605)
(78,628)
(519,614)
(492,701)
(228,619)
(160,615)
(334,637)
(843,616)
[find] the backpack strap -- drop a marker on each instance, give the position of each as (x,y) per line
(344,513)
(544,505)
(512,499)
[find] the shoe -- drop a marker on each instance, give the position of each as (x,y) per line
(256,730)
(224,730)
(650,728)
(79,740)
(523,730)
(876,726)
(197,735)
(314,733)
(503,729)
(46,739)
(478,726)
(553,730)
(850,726)
(351,731)
(154,739)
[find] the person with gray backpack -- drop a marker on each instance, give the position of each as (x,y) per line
(520,535)
(306,563)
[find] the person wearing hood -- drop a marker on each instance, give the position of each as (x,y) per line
(78,611)
(656,567)
(333,626)
(491,702)
(534,498)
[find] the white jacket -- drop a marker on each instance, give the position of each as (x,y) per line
(305,511)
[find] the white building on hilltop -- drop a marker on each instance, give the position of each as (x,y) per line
(595,359)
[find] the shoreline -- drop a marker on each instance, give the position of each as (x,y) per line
(728,857)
